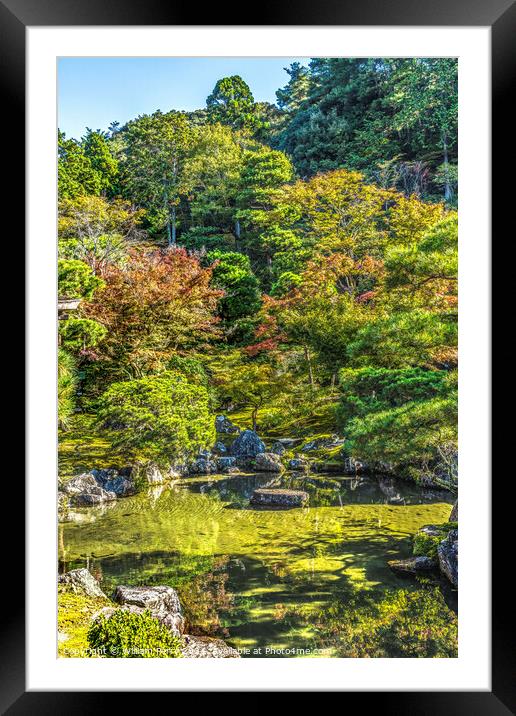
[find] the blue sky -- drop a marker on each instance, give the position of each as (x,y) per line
(95,91)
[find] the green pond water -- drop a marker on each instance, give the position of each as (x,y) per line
(261,579)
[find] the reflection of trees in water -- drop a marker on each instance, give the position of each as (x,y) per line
(204,598)
(286,578)
(406,623)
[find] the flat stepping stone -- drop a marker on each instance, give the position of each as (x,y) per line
(279,498)
(412,565)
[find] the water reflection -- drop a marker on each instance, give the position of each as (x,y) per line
(256,578)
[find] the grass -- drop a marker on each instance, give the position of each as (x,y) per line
(82,447)
(75,612)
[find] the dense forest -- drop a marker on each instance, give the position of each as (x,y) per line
(290,265)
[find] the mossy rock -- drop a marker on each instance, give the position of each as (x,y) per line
(428,538)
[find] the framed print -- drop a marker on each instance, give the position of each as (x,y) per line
(258,361)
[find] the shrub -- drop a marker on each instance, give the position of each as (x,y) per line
(130,635)
(66,385)
(79,334)
(76,279)
(405,436)
(232,273)
(369,390)
(159,417)
(192,368)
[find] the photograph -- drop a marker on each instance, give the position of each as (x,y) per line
(257,327)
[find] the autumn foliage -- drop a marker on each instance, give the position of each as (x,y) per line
(159,302)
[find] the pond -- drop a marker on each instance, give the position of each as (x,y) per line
(264,580)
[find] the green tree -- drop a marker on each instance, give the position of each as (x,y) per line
(76,279)
(232,273)
(291,97)
(160,418)
(407,439)
(249,383)
(369,390)
(152,162)
(66,386)
(264,172)
(231,102)
(424,95)
(78,335)
(76,174)
(212,169)
(97,231)
(97,150)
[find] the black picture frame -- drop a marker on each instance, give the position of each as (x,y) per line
(500,16)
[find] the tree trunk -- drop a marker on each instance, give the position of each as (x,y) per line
(172,236)
(165,201)
(255,418)
(447,185)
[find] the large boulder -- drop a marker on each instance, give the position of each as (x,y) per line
(203,466)
(448,555)
(161,601)
(149,474)
(279,498)
(177,470)
(97,487)
(224,425)
(225,463)
(247,445)
(267,462)
(121,486)
(95,495)
(219,448)
(81,581)
(80,483)
(412,565)
(203,647)
(103,475)
(350,466)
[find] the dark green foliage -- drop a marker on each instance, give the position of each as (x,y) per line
(97,150)
(66,385)
(76,279)
(232,103)
(208,238)
(160,418)
(232,273)
(76,175)
(192,369)
(393,119)
(408,437)
(132,636)
(374,389)
(403,339)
